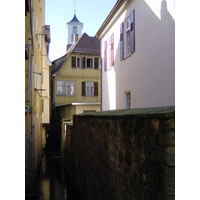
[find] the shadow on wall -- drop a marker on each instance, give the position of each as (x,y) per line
(151,73)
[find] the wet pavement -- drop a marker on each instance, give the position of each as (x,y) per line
(53,181)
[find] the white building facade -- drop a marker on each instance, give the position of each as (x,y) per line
(74,27)
(138,55)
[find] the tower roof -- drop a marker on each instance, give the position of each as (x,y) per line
(74,18)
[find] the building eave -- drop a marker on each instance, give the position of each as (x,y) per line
(110,16)
(78,104)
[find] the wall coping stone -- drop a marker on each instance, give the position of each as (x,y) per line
(158,112)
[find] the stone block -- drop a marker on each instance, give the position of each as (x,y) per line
(170,156)
(169,181)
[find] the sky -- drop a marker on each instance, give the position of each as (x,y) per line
(91,13)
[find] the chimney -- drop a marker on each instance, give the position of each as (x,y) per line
(75,38)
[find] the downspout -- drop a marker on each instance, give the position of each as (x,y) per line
(27,114)
(32,126)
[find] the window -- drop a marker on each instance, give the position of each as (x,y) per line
(128,37)
(70,88)
(122,41)
(74,30)
(36,23)
(37,78)
(90,62)
(78,62)
(127,40)
(89,88)
(60,88)
(109,54)
(109,59)
(127,99)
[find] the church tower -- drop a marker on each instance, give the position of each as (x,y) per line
(74,31)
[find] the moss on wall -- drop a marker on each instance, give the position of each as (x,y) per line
(124,154)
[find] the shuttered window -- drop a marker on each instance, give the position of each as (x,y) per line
(112,50)
(89,88)
(132,31)
(122,41)
(84,62)
(96,63)
(105,55)
(78,62)
(127,41)
(73,62)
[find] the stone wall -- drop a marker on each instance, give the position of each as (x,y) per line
(124,154)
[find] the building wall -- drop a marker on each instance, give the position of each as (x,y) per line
(124,154)
(45,86)
(149,73)
(82,108)
(66,72)
(35,115)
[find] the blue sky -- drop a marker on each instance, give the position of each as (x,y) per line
(91,13)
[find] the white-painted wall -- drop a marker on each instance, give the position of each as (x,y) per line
(70,30)
(149,72)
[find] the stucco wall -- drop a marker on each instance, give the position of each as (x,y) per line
(149,73)
(124,154)
(67,73)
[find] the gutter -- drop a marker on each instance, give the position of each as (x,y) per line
(110,15)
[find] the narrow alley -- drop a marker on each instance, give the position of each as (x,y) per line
(52,182)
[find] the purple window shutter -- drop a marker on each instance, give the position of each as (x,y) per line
(112,49)
(122,41)
(105,55)
(132,31)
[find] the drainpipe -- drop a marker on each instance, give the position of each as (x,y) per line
(32,125)
(27,114)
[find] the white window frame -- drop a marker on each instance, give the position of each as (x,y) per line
(78,57)
(89,88)
(71,85)
(90,63)
(60,89)
(127,45)
(127,99)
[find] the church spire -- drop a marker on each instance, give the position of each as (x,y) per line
(74,7)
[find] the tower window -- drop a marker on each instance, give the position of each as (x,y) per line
(74,30)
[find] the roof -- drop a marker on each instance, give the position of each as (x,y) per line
(74,19)
(83,45)
(116,7)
